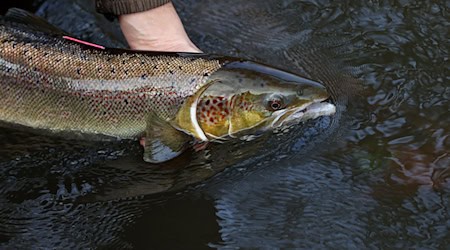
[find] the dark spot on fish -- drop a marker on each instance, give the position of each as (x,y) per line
(180,67)
(30,58)
(240,80)
(171,72)
(214,101)
(155,67)
(78,71)
(125,101)
(144,76)
(262,85)
(142,62)
(14,45)
(211,119)
(206,74)
(207,102)
(108,59)
(113,70)
(35,69)
(193,80)
(126,72)
(123,62)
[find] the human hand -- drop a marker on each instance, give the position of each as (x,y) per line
(158,29)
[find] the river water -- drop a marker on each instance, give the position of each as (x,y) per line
(376,175)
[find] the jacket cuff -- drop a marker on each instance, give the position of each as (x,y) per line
(120,7)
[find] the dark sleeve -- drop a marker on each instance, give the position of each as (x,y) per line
(119,7)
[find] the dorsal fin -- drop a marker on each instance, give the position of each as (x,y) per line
(32,21)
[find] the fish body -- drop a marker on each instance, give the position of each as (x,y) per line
(52,83)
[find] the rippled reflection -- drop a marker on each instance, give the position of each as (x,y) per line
(375,176)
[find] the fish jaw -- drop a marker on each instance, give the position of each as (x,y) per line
(311,111)
(305,109)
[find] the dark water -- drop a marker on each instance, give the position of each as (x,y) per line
(377,175)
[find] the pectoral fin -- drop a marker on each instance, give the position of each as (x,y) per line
(162,141)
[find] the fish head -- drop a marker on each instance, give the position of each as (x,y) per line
(245,98)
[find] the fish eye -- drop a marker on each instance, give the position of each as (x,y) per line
(275,103)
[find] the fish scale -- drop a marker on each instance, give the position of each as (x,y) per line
(61,85)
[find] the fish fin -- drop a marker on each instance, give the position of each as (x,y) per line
(32,21)
(162,141)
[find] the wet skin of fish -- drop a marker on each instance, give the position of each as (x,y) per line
(49,82)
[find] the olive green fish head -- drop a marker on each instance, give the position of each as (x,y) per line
(245,98)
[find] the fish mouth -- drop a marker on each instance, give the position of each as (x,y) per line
(303,113)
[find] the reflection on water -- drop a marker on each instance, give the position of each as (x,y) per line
(375,176)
